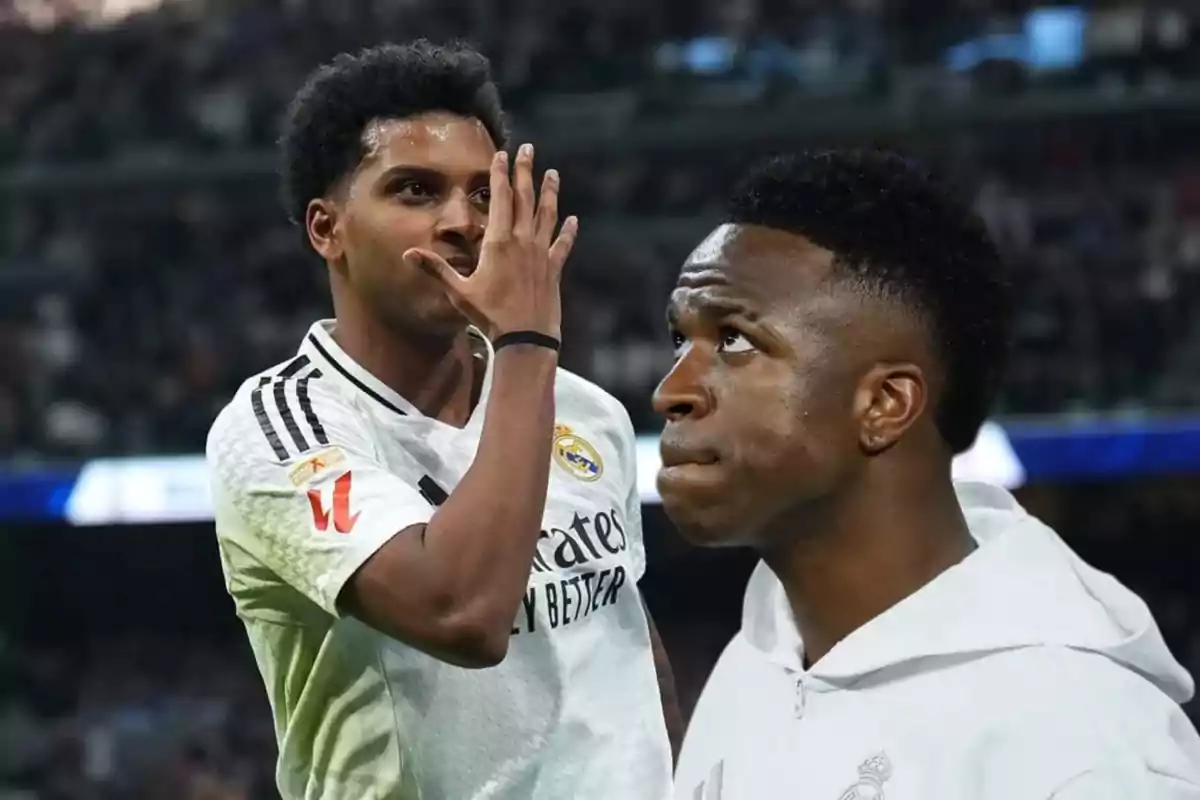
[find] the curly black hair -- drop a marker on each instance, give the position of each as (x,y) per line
(322,140)
(897,231)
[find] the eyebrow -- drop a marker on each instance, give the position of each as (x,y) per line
(426,173)
(716,307)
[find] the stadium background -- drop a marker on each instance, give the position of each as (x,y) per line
(145,269)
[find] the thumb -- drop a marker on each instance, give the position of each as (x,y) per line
(436,267)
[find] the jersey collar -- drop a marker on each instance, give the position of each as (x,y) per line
(320,347)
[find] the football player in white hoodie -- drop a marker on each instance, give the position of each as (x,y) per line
(839,339)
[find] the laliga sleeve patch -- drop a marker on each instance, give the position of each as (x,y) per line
(315,464)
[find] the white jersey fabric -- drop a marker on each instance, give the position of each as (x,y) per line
(316,464)
(1021,673)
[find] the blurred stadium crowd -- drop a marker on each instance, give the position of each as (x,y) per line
(147,266)
(146,269)
(142,717)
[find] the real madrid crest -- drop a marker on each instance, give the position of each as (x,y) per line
(872,775)
(576,455)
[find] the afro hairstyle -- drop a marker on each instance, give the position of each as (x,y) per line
(322,139)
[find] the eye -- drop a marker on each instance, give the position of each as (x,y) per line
(482,196)
(734,342)
(412,189)
(679,342)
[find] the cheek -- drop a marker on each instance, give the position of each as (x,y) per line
(767,417)
(408,227)
(380,242)
(791,434)
(390,229)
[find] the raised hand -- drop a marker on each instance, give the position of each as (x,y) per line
(516,284)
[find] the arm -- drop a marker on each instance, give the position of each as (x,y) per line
(666,688)
(447,582)
(354,537)
(453,586)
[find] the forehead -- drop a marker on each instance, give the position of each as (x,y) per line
(761,267)
(437,140)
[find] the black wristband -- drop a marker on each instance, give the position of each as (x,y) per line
(526,337)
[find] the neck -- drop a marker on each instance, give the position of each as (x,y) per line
(436,373)
(893,532)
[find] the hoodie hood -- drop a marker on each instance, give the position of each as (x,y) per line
(1022,587)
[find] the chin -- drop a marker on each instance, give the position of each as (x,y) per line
(703,533)
(431,323)
(449,323)
(715,523)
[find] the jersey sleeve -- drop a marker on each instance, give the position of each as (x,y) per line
(310,516)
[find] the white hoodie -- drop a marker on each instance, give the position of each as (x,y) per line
(1021,673)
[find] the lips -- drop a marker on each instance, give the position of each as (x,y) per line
(678,455)
(461,263)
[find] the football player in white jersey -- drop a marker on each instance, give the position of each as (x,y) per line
(839,339)
(432,533)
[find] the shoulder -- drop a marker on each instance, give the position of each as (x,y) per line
(1073,713)
(1070,688)
(598,417)
(582,398)
(281,413)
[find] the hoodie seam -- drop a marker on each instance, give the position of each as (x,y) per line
(1169,776)
(1067,783)
(1098,770)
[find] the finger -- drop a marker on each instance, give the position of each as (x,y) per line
(547,215)
(523,208)
(436,267)
(500,207)
(563,244)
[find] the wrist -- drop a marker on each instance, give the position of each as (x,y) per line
(524,370)
(527,338)
(526,353)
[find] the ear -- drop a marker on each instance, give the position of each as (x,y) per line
(889,399)
(321,221)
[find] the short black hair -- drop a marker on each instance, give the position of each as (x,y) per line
(896,229)
(322,139)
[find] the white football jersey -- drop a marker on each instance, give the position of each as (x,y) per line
(316,464)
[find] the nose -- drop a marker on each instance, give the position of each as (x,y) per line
(682,393)
(460,218)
